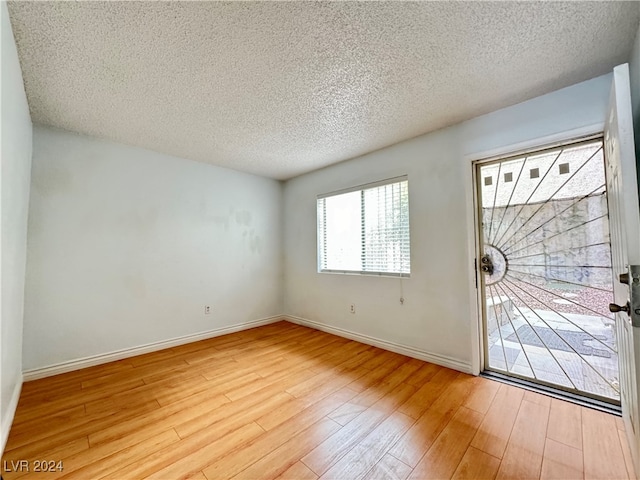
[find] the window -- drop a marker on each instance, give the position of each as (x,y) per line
(365,229)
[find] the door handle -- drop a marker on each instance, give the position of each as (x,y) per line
(614,308)
(632,278)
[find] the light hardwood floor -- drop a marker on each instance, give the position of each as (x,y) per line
(285,401)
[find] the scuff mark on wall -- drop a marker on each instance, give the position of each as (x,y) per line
(255,243)
(221,220)
(53,180)
(243,217)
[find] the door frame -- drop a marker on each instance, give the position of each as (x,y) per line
(473,223)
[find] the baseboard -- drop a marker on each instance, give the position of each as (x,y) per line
(80,363)
(441,360)
(11,411)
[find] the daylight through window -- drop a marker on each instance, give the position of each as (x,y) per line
(365,229)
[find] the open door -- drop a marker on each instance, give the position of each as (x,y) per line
(624,210)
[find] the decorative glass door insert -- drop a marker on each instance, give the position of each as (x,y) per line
(546,263)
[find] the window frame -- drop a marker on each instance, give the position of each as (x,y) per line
(360,188)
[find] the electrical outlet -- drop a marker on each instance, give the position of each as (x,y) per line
(207,309)
(353,308)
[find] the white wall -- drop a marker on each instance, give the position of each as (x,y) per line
(126,246)
(437,318)
(15,132)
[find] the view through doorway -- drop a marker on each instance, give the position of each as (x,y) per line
(546,277)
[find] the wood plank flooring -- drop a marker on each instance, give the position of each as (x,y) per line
(288,402)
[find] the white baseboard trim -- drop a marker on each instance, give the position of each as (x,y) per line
(7,421)
(80,363)
(441,360)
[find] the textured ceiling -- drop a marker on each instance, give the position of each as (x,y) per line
(280,89)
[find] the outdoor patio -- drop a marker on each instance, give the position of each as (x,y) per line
(576,351)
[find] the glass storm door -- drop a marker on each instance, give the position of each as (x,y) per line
(546,270)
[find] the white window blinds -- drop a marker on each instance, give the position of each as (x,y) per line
(365,230)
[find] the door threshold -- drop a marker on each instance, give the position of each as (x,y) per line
(555,393)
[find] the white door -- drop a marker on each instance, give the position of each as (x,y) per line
(624,211)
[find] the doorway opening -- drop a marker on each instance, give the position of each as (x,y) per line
(546,275)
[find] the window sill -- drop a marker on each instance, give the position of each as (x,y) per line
(367,274)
